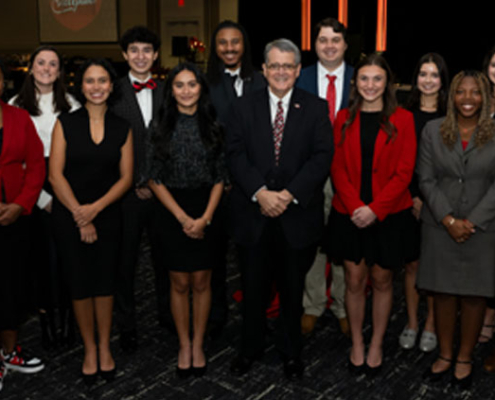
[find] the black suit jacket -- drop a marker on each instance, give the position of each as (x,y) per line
(127,107)
(304,165)
(222,94)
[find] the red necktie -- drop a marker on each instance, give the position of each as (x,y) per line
(331,97)
(278,130)
(149,84)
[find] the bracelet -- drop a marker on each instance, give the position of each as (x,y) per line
(451,222)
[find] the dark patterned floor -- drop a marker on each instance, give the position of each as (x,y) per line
(150,373)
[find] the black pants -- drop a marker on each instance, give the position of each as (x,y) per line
(139,215)
(274,257)
(13,273)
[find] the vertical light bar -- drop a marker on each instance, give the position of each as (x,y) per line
(343,12)
(381,26)
(306,25)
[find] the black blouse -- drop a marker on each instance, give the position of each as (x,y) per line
(369,127)
(189,164)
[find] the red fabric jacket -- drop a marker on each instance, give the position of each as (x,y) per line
(393,166)
(22,165)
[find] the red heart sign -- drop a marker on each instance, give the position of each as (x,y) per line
(75,14)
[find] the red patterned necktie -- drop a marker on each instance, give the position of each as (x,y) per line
(278,130)
(331,97)
(149,84)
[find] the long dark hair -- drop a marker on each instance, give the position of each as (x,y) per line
(215,70)
(414,101)
(389,100)
(27,98)
(486,64)
(210,131)
(107,66)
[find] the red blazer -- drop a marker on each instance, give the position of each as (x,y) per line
(393,166)
(22,165)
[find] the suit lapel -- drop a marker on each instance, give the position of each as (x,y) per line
(263,116)
(348,71)
(134,109)
(292,122)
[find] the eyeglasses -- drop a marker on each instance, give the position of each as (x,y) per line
(284,67)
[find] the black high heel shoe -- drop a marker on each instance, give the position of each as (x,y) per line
(463,383)
(198,372)
(89,379)
(183,373)
(109,375)
(356,370)
(433,377)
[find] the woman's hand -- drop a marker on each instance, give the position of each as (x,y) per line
(460,230)
(196,229)
(363,217)
(48,207)
(85,214)
(88,233)
(9,213)
(416,208)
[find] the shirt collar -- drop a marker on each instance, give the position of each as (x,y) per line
(275,99)
(236,72)
(132,78)
(338,72)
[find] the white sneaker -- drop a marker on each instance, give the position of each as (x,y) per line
(428,341)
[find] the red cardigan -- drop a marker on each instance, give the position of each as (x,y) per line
(393,166)
(22,165)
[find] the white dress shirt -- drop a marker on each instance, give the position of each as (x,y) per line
(144,99)
(239,83)
(322,73)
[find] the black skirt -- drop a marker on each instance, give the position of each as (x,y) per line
(180,252)
(389,243)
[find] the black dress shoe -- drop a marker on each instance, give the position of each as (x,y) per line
(198,372)
(241,365)
(433,377)
(463,383)
(128,341)
(356,370)
(89,379)
(372,372)
(109,376)
(183,373)
(293,369)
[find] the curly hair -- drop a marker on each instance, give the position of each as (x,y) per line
(389,100)
(210,130)
(486,125)
(415,96)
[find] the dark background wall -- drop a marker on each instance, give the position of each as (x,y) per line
(461,34)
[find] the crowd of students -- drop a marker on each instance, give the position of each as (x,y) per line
(413,187)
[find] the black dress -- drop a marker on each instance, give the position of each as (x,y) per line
(386,243)
(189,171)
(91,170)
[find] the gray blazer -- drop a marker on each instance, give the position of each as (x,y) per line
(456,181)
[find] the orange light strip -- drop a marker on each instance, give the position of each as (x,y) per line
(343,12)
(306,25)
(381,26)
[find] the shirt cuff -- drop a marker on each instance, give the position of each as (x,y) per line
(254,199)
(43,200)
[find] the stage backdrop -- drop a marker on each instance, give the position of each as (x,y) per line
(78,20)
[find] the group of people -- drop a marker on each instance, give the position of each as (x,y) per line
(236,154)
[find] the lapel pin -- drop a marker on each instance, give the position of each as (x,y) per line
(297,105)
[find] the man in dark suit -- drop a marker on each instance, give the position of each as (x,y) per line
(230,75)
(139,102)
(330,79)
(279,150)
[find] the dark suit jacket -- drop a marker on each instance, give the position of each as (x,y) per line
(393,166)
(309,82)
(127,107)
(22,164)
(305,159)
(222,94)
